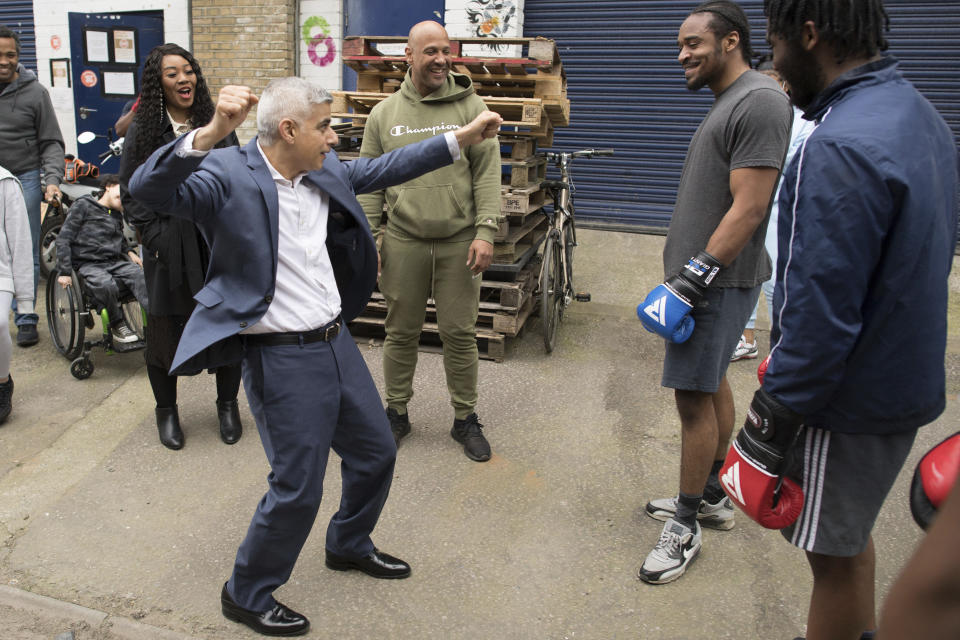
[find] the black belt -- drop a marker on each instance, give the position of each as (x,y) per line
(325,333)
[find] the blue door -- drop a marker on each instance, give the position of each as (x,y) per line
(107,51)
(384,18)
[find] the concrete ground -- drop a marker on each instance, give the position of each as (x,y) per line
(107,534)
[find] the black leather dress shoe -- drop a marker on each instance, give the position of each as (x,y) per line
(376,563)
(230,427)
(168,424)
(278,621)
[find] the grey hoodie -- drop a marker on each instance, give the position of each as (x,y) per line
(16,248)
(30,136)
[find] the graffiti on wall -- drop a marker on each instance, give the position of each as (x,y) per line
(320,47)
(492,18)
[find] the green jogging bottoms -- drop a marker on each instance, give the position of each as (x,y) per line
(411,271)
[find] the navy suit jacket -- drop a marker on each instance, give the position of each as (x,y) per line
(231,197)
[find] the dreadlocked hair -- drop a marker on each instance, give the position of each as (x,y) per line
(727,16)
(850,27)
(151,117)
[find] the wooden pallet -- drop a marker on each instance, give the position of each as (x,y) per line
(524,173)
(519,202)
(550,90)
(539,74)
(519,148)
(540,53)
(519,240)
(505,306)
(490,344)
(520,115)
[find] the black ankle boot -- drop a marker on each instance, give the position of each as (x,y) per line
(6,399)
(168,424)
(230,427)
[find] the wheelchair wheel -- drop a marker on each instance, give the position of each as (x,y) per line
(64,309)
(133,315)
(81,368)
(49,231)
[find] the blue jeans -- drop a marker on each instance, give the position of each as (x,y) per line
(33,196)
(767,288)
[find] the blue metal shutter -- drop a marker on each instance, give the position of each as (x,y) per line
(627,91)
(18,16)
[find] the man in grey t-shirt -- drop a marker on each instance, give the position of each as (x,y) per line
(714,263)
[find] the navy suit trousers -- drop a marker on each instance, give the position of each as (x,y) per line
(307,399)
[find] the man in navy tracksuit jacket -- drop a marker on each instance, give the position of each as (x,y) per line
(868,224)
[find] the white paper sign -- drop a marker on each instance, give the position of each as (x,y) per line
(97,46)
(119,83)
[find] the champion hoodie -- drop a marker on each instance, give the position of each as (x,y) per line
(30,136)
(454,203)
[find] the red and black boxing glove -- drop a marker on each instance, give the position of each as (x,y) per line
(762,369)
(752,474)
(933,479)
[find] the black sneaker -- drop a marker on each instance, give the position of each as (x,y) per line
(399,424)
(27,335)
(6,399)
(469,433)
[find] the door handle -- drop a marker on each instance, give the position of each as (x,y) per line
(84,111)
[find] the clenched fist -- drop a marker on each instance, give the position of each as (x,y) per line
(485,125)
(233,105)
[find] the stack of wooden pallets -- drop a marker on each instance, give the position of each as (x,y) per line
(529,91)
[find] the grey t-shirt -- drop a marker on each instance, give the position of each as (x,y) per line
(748,126)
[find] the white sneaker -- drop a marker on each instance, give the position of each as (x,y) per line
(714,516)
(677,548)
(745,350)
(122,334)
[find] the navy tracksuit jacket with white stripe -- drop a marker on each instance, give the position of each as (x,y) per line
(868,223)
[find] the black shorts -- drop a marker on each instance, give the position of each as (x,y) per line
(845,479)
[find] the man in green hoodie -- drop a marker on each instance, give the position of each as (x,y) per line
(439,232)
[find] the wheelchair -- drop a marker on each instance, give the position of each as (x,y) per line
(70,313)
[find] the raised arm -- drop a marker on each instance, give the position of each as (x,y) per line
(413,160)
(173,179)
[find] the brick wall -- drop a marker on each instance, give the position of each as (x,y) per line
(246,42)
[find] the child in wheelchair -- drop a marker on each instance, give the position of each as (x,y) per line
(91,242)
(16,275)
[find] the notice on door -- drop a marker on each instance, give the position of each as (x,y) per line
(124,46)
(119,83)
(98,49)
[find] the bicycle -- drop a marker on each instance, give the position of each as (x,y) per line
(556,270)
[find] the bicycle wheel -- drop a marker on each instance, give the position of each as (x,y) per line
(551,292)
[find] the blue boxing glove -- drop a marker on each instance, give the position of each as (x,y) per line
(666,310)
(667,314)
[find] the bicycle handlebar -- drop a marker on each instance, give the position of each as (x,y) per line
(587,153)
(557,156)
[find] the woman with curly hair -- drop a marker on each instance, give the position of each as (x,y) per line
(173,100)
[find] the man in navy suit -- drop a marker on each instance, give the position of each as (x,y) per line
(292,260)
